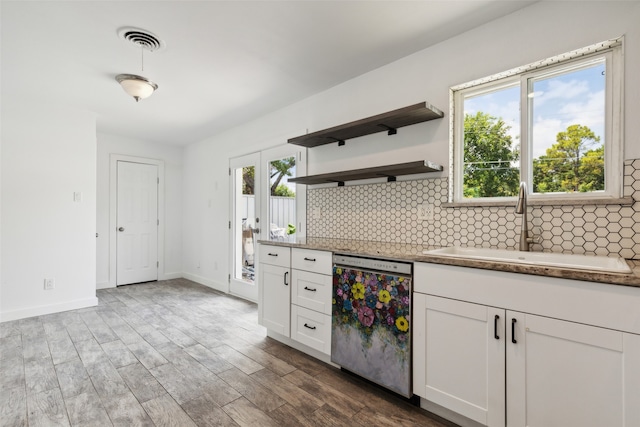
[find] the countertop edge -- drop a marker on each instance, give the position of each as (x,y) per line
(631,279)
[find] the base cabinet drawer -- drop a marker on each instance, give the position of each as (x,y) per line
(311,290)
(275,255)
(311,328)
(312,260)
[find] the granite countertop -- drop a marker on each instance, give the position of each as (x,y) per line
(414,253)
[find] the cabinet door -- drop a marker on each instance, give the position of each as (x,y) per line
(459,357)
(565,374)
(275,298)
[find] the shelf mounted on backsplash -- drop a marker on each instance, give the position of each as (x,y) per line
(390,172)
(389,122)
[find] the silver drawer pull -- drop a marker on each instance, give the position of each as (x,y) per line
(270,254)
(310,259)
(309,289)
(310,327)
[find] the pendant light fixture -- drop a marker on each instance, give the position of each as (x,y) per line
(139,87)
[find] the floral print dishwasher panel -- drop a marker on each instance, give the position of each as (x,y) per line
(371,333)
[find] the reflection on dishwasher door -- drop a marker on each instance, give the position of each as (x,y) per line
(371,334)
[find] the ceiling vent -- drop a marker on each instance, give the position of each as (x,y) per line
(141,38)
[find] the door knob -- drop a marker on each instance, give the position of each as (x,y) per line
(121,229)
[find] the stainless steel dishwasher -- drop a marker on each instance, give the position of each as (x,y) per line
(371,320)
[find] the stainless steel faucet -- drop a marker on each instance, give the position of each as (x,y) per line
(521,208)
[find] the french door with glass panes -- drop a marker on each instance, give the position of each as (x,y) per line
(264,205)
(245,224)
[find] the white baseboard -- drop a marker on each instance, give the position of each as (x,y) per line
(301,347)
(47,309)
(207,282)
(448,414)
(170,276)
(104,285)
(166,276)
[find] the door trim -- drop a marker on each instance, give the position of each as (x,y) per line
(113,213)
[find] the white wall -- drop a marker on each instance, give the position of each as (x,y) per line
(171,260)
(542,30)
(48,154)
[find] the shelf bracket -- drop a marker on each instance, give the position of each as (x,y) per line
(339,141)
(390,130)
(391,179)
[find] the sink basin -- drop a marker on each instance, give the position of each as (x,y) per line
(579,262)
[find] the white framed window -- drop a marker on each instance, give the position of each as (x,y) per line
(555,124)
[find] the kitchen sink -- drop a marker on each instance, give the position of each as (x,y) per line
(559,260)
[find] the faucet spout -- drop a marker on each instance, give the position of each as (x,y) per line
(521,208)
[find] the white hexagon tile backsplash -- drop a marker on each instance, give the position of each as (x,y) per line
(388,212)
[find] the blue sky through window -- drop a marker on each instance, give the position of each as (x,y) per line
(576,97)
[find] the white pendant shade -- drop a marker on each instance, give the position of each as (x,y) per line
(136,86)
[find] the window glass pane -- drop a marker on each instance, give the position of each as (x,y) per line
(247,210)
(491,143)
(282,199)
(567,135)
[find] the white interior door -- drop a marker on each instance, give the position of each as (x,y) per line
(245,224)
(137,223)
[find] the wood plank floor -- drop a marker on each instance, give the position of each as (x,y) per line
(175,353)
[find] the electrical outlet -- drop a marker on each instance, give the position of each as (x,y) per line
(49,284)
(315,213)
(425,212)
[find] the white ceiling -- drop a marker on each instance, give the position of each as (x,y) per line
(225,62)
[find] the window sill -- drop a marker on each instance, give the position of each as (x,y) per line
(533,202)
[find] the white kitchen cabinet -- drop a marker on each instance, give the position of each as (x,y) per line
(311,298)
(458,362)
(539,370)
(295,295)
(563,374)
(274,288)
